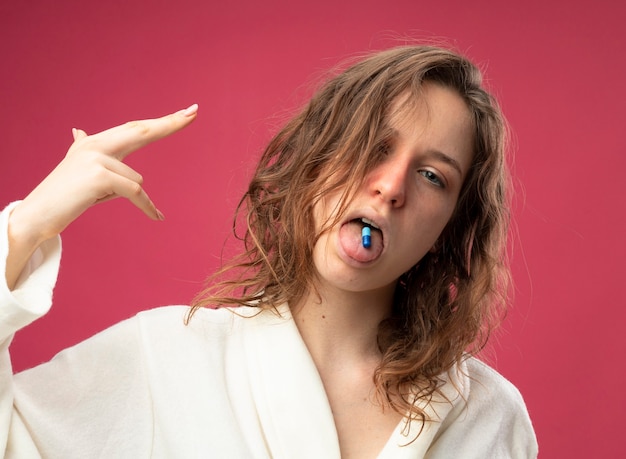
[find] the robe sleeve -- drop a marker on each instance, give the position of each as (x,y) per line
(48,409)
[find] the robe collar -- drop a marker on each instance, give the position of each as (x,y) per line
(292,404)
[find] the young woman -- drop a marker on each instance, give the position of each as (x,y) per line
(372,271)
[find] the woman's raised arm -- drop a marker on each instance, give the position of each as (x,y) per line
(91,172)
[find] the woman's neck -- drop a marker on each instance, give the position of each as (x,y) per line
(341,327)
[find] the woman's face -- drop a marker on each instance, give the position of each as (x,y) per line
(407,199)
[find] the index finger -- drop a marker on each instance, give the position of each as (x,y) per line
(122,140)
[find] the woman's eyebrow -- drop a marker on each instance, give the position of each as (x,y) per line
(436,154)
(441,156)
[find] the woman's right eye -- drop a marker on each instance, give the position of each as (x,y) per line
(384,148)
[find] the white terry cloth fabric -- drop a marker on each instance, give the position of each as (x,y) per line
(230,384)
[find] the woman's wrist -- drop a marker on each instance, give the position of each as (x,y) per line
(24,236)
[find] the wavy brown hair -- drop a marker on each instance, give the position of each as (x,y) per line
(446,306)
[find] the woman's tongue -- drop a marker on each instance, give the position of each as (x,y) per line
(352,242)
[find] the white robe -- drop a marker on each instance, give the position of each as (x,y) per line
(225,386)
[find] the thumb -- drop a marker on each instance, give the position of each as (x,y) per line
(78,134)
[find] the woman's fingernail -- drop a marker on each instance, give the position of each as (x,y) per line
(159,215)
(191,110)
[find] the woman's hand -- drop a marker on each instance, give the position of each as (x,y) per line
(91,172)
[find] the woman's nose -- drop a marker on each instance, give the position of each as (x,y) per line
(388,180)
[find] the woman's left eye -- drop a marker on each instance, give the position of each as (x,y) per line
(432,177)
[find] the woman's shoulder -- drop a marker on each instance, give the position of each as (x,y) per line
(210,339)
(205,315)
(488,386)
(491,415)
(205,323)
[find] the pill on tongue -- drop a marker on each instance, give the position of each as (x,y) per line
(366,237)
(351,239)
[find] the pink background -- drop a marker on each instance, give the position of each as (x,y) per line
(558,68)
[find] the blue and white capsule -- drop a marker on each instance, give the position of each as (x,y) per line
(366,237)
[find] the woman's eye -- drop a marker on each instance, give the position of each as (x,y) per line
(432,177)
(384,148)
